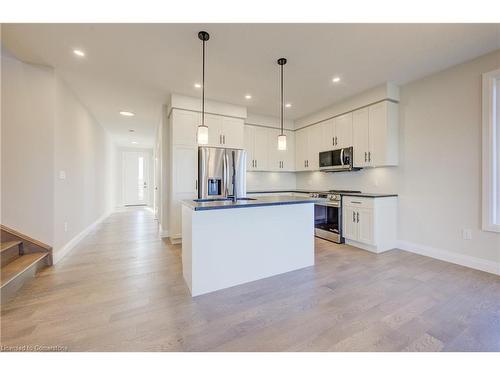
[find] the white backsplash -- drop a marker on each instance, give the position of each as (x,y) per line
(270,181)
(372,180)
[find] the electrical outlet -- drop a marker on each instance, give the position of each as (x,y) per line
(466,234)
(62,175)
(65,227)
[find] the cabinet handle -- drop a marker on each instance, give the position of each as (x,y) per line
(336,141)
(195,184)
(366,156)
(255,163)
(356,202)
(369,156)
(224,139)
(353,217)
(357,217)
(220,139)
(333,141)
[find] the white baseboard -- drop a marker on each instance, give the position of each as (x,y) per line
(63,251)
(163,232)
(448,256)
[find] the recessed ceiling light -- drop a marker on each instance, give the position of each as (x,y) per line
(134,142)
(288,105)
(79,52)
(248,96)
(197,85)
(336,79)
(126,113)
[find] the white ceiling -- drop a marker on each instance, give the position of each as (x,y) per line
(135,67)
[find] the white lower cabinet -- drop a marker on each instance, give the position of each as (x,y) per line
(370,223)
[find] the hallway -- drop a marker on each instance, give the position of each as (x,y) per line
(122,290)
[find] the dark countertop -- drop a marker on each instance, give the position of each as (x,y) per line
(369,195)
(365,195)
(258,202)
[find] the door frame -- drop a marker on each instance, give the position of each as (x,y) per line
(148,155)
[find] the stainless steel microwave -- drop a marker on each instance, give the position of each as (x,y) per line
(337,160)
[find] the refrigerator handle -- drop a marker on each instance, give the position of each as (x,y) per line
(225,173)
(233,166)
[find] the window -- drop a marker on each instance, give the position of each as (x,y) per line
(491,151)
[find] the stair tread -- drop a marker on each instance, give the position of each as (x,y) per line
(4,246)
(11,270)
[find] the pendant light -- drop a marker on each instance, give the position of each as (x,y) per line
(281,136)
(202,133)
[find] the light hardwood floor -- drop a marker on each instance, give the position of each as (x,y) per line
(122,290)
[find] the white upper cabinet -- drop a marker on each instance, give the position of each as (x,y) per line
(214,124)
(328,136)
(383,134)
(343,131)
(375,135)
(301,145)
(308,143)
(225,131)
(289,159)
(281,160)
(184,127)
(249,142)
(315,140)
(256,145)
(360,133)
(232,132)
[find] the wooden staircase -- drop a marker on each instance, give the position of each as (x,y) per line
(20,259)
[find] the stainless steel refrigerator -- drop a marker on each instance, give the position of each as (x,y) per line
(221,172)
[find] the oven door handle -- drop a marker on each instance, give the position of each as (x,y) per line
(342,156)
(324,204)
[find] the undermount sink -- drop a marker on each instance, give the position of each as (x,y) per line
(203,200)
(211,200)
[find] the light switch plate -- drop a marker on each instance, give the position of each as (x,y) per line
(466,234)
(62,175)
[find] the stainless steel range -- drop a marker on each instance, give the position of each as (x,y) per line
(328,214)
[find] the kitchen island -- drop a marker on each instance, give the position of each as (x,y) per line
(226,243)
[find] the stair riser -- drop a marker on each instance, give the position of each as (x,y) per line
(9,255)
(9,291)
(28,247)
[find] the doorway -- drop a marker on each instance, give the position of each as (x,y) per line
(136,189)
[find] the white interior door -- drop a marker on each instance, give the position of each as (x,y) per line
(135,178)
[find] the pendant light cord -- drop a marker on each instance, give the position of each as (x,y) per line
(281,99)
(203,89)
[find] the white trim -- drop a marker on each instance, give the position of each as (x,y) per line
(490,149)
(71,244)
(163,233)
(452,257)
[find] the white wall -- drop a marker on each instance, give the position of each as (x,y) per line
(28,100)
(498,148)
(439,177)
(84,151)
(45,130)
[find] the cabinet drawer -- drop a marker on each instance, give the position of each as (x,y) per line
(358,201)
